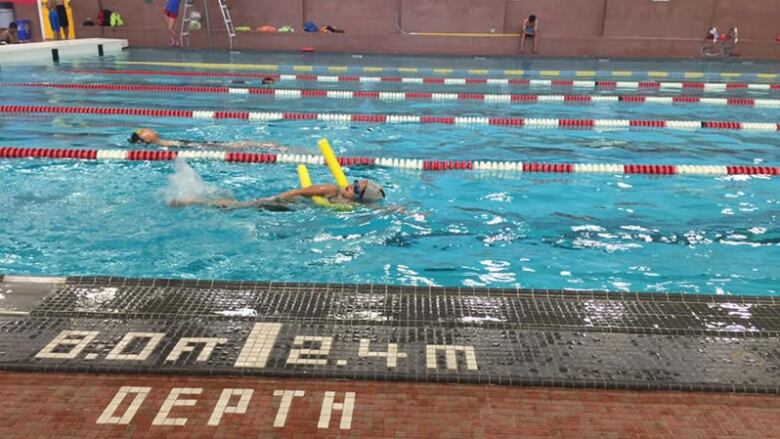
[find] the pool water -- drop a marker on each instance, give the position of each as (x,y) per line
(713,235)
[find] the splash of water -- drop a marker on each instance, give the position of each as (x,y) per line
(186,184)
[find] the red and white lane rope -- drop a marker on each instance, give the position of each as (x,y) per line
(606,84)
(398,118)
(402,96)
(419,164)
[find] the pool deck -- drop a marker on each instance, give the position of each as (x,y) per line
(404,350)
(48,52)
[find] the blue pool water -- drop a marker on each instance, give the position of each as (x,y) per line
(580,231)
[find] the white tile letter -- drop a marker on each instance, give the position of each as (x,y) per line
(78,339)
(392,353)
(187,344)
(296,352)
(107,417)
(284,406)
(222,407)
(449,354)
(154,340)
(345,407)
(258,345)
(172,401)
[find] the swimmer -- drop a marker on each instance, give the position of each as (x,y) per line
(9,35)
(360,191)
(268,81)
(149,136)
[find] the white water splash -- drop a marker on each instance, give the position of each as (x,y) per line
(185,184)
(588,228)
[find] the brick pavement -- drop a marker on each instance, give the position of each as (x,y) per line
(79,405)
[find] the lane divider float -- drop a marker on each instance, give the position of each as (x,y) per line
(443,71)
(402,96)
(602,84)
(396,118)
(11,152)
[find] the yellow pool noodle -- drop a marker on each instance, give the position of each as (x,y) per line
(333,163)
(305,180)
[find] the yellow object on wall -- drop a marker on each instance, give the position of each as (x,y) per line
(48,34)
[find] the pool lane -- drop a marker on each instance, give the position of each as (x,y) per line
(391,96)
(374,118)
(446,71)
(541,83)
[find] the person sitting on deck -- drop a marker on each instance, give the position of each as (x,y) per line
(709,43)
(149,136)
(729,42)
(530,28)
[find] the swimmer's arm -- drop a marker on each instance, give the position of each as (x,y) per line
(324,190)
(172,144)
(252,144)
(226,203)
(268,146)
(387,209)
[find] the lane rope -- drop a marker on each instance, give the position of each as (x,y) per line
(397,118)
(651,74)
(548,83)
(11,152)
(402,96)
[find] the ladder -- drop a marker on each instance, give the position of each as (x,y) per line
(184,33)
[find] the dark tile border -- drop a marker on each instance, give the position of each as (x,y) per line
(552,307)
(400,377)
(396,289)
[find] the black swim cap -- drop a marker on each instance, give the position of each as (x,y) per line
(134,138)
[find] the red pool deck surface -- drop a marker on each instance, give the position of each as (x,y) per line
(56,405)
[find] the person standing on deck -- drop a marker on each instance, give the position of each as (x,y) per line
(171,12)
(58,18)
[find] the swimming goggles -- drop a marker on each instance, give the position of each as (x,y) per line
(135,138)
(356,189)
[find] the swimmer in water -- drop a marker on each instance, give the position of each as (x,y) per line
(149,136)
(360,191)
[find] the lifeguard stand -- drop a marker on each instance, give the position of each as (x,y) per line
(184,34)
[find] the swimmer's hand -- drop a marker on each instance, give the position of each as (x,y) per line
(223,203)
(399,209)
(396,209)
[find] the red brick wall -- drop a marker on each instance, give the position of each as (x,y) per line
(77,405)
(581,27)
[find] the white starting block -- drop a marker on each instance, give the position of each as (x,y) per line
(48,52)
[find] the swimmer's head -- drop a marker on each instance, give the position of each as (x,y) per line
(144,135)
(268,80)
(364,191)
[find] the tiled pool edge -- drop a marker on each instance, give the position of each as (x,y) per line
(49,316)
(532,292)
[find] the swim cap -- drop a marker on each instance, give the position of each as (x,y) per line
(373,192)
(135,137)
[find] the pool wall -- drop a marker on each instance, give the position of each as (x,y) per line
(633,28)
